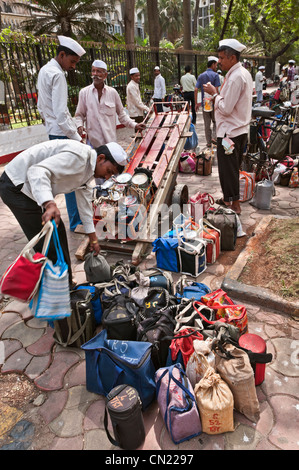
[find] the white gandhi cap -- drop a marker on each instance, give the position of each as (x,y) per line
(212,57)
(233,43)
(99,64)
(118,153)
(157,68)
(134,70)
(72,45)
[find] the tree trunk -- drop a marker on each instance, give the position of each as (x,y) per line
(129,21)
(195,18)
(153,22)
(187,43)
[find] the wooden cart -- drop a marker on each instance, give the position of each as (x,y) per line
(156,152)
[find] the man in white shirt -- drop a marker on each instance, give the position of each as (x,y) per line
(31,181)
(52,104)
(232,112)
(259,80)
(135,106)
(188,82)
(98,107)
(159,89)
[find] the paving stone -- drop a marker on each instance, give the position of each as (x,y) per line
(37,366)
(20,307)
(277,383)
(53,406)
(70,443)
(285,434)
(76,376)
(52,379)
(94,416)
(7,319)
(43,345)
(17,362)
(96,439)
(23,333)
(243,438)
(9,347)
(287,351)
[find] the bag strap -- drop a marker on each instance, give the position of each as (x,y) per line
(113,441)
(46,232)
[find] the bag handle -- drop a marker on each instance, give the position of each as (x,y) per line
(46,232)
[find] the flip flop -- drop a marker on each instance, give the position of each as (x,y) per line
(220,202)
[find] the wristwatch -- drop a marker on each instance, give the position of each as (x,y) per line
(214,96)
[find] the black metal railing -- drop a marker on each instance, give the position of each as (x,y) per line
(21,60)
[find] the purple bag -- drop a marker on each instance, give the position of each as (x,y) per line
(177,403)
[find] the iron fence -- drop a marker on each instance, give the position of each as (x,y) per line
(21,61)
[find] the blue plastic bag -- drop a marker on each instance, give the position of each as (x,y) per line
(195,290)
(191,142)
(111,362)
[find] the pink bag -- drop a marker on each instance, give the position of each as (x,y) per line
(187,162)
(177,403)
(199,204)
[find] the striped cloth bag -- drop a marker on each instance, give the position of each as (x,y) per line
(52,302)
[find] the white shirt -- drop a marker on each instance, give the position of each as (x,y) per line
(259,79)
(159,87)
(57,167)
(188,82)
(135,106)
(52,101)
(99,117)
(234,103)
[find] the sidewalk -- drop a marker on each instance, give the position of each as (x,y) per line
(46,405)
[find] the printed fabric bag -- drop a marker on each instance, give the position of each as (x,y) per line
(199,204)
(247,184)
(52,302)
(177,403)
(212,237)
(187,162)
(215,403)
(22,278)
(112,362)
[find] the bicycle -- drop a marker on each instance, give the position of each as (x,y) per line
(259,157)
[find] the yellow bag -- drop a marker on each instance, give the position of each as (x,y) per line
(215,403)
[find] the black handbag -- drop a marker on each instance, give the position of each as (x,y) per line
(157,298)
(225,220)
(80,327)
(124,407)
(119,318)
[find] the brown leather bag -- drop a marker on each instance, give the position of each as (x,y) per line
(204,164)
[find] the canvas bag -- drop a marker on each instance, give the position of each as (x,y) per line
(204,164)
(264,190)
(215,403)
(201,359)
(187,162)
(199,204)
(52,301)
(278,142)
(114,362)
(119,318)
(96,268)
(234,367)
(247,184)
(212,237)
(22,278)
(177,403)
(192,257)
(225,220)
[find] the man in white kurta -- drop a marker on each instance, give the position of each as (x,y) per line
(98,107)
(259,81)
(159,89)
(135,106)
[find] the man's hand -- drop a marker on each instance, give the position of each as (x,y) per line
(209,88)
(81,131)
(51,212)
(94,244)
(197,107)
(140,127)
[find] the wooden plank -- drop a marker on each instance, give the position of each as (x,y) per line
(158,143)
(145,144)
(170,148)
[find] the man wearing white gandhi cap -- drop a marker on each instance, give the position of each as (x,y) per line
(232,113)
(135,106)
(32,180)
(98,107)
(52,103)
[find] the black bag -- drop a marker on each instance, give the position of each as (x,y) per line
(158,330)
(81,325)
(119,318)
(157,298)
(278,142)
(225,220)
(124,408)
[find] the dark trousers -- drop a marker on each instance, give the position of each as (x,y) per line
(229,166)
(29,215)
(159,106)
(189,96)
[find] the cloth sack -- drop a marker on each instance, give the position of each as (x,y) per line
(80,326)
(215,403)
(112,362)
(22,278)
(235,369)
(52,301)
(177,403)
(96,268)
(199,362)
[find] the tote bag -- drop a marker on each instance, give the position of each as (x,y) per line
(52,301)
(22,278)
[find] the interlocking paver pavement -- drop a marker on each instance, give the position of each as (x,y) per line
(65,416)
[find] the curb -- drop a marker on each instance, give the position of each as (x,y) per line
(261,296)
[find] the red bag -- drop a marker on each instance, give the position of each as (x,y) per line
(21,279)
(199,204)
(183,342)
(212,236)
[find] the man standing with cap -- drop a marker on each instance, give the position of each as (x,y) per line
(97,108)
(31,181)
(259,80)
(135,106)
(209,76)
(232,112)
(291,71)
(188,82)
(159,89)
(52,104)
